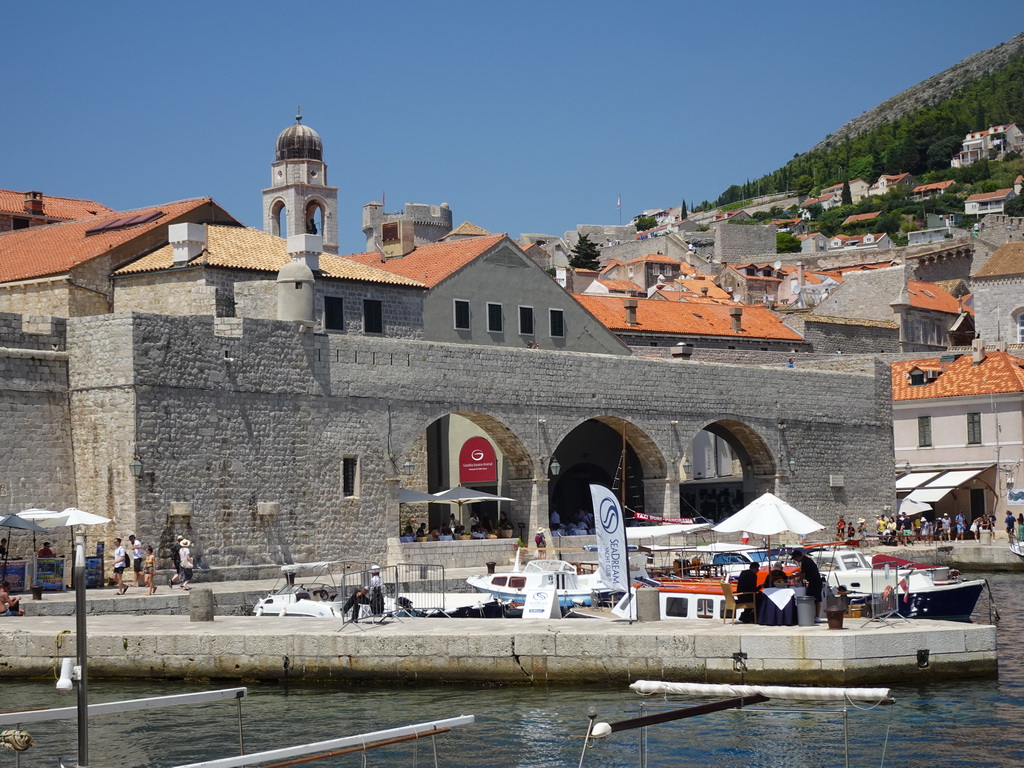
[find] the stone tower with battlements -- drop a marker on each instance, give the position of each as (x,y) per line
(298,200)
(430,222)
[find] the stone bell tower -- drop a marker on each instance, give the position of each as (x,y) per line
(298,201)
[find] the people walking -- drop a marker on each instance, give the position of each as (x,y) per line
(136,555)
(120,563)
(149,570)
(185,555)
(176,559)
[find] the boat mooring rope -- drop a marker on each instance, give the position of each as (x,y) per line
(17,741)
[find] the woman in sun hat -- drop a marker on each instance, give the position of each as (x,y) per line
(187,564)
(541,544)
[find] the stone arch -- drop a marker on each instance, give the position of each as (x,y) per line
(652,459)
(717,496)
(314,216)
(279,218)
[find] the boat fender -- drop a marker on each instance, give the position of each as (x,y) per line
(321,593)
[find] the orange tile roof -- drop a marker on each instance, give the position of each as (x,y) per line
(254,249)
(931,296)
(1006,261)
(68,208)
(861,217)
(999,194)
(998,373)
(697,285)
(467,229)
(56,248)
(936,186)
(656,258)
(690,318)
(431,264)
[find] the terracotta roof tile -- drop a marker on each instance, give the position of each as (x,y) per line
(1008,260)
(623,286)
(938,185)
(56,248)
(467,229)
(998,373)
(932,296)
(68,208)
(861,217)
(690,318)
(253,249)
(999,194)
(430,264)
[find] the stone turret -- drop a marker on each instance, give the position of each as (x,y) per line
(429,222)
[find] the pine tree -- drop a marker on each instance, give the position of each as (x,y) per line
(585,255)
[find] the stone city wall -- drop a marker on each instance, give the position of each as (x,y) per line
(244,431)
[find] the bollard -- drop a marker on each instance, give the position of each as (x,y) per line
(200,605)
(491,567)
(648,607)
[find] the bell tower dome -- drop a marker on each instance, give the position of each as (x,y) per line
(298,200)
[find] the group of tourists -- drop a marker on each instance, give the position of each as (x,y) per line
(903,529)
(140,560)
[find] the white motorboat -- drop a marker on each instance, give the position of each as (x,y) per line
(1017,548)
(316,596)
(921,591)
(515,586)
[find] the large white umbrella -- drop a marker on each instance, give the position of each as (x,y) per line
(652,532)
(461,496)
(768,515)
(69,517)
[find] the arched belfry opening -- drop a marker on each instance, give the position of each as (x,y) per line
(299,200)
(726,465)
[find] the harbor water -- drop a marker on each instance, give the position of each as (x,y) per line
(960,723)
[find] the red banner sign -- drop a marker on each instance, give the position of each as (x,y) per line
(477,462)
(653,519)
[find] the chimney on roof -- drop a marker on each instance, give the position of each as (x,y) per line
(800,274)
(307,249)
(187,240)
(630,305)
(978,351)
(736,316)
(33,203)
(704,291)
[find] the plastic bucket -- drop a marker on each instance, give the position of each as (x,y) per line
(805,611)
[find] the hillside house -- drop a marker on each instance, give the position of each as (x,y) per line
(999,294)
(868,241)
(988,202)
(990,143)
(860,218)
(925,191)
(813,242)
(891,181)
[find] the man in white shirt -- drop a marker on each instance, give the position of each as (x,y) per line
(120,563)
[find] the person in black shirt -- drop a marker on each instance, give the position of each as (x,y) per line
(811,575)
(746,588)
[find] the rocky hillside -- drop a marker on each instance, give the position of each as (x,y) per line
(929,92)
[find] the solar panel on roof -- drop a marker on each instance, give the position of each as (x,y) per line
(124,221)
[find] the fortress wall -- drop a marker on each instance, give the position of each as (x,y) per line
(247,433)
(35,438)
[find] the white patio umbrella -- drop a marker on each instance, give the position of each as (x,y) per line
(768,515)
(69,517)
(461,496)
(410,496)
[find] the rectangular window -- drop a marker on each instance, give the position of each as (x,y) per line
(350,476)
(974,429)
(526,321)
(495,321)
(461,315)
(373,316)
(924,431)
(557,323)
(334,313)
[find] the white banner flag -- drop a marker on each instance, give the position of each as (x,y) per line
(612,555)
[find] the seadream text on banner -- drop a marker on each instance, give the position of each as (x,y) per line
(612,554)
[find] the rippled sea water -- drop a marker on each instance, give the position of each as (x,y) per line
(959,723)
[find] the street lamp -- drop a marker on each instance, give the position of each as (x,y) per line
(408,467)
(687,465)
(554,467)
(135,467)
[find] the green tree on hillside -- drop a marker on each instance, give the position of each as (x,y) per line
(585,255)
(787,243)
(643,223)
(847,196)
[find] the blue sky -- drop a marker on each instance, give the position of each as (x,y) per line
(525,117)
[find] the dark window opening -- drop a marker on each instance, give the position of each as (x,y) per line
(526,321)
(557,321)
(461,315)
(373,316)
(334,313)
(495,321)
